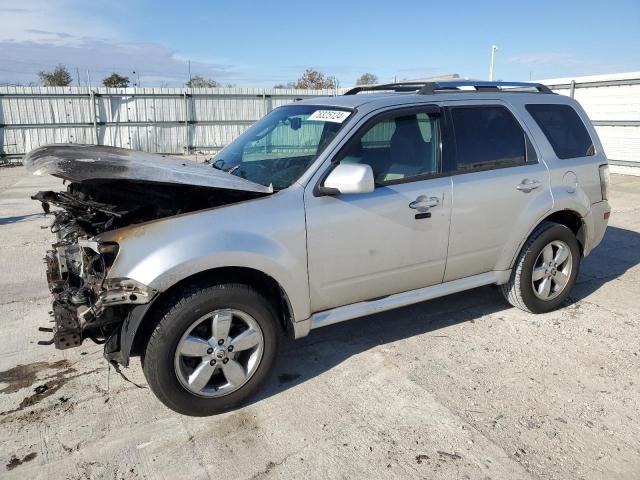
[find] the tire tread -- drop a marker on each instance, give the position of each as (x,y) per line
(512,289)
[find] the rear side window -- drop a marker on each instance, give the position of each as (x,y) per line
(564,129)
(486,138)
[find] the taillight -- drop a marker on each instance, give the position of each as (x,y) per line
(604,181)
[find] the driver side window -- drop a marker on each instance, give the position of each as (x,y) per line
(399,149)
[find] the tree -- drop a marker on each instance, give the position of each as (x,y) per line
(59,77)
(367,79)
(116,81)
(314,80)
(200,82)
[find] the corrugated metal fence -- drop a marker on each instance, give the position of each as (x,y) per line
(184,121)
(166,120)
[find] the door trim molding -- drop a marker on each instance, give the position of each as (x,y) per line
(361,309)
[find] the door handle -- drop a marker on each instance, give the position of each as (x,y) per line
(424,203)
(528,185)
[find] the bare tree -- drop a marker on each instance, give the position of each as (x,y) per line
(116,81)
(198,81)
(314,80)
(59,77)
(367,79)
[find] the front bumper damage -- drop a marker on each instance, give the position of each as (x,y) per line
(85,304)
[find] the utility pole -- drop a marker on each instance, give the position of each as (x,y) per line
(189,72)
(494,48)
(78,75)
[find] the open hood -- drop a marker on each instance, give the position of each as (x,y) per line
(85,163)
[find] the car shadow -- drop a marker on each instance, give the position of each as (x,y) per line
(325,348)
(18,218)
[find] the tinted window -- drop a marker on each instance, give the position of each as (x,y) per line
(398,149)
(564,130)
(487,137)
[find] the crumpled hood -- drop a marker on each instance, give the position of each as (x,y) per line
(82,163)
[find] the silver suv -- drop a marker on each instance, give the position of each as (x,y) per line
(323,211)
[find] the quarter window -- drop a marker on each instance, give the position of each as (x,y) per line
(487,138)
(564,130)
(399,149)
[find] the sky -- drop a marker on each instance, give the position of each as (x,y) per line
(264,43)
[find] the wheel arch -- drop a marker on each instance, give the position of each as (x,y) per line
(136,331)
(567,217)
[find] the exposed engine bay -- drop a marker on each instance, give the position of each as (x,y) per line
(86,303)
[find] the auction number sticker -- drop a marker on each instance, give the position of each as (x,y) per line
(336,116)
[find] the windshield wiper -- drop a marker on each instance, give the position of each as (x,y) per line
(218,164)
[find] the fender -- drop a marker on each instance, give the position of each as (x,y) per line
(161,253)
(577,202)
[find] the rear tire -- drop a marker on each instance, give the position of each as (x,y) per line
(212,349)
(545,270)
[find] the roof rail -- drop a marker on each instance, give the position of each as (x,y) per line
(396,87)
(428,88)
(432,87)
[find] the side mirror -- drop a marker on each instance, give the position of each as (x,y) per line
(349,178)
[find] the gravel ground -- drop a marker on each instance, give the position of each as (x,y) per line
(459,387)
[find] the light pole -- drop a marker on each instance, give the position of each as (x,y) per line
(494,48)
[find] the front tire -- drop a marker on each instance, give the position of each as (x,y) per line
(212,349)
(545,270)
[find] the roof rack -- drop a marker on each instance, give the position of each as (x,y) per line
(395,87)
(428,88)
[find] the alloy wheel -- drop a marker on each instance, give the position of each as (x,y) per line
(219,353)
(552,270)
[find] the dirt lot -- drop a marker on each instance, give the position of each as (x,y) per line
(460,387)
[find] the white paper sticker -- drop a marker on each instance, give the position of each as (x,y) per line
(336,116)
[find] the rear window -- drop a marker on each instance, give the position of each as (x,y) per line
(486,138)
(564,129)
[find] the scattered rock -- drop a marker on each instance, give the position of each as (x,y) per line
(40,389)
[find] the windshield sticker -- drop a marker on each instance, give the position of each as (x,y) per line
(336,116)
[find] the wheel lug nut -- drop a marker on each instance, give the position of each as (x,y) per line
(212,363)
(225,360)
(220,342)
(230,348)
(209,351)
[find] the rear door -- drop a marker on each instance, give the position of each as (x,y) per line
(499,186)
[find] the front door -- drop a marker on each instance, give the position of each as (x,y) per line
(394,239)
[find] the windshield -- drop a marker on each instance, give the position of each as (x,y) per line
(277,149)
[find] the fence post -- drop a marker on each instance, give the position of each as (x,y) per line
(187,146)
(94,116)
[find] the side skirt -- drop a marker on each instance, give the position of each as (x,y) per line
(361,309)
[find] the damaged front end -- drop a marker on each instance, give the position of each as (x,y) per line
(110,189)
(86,304)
